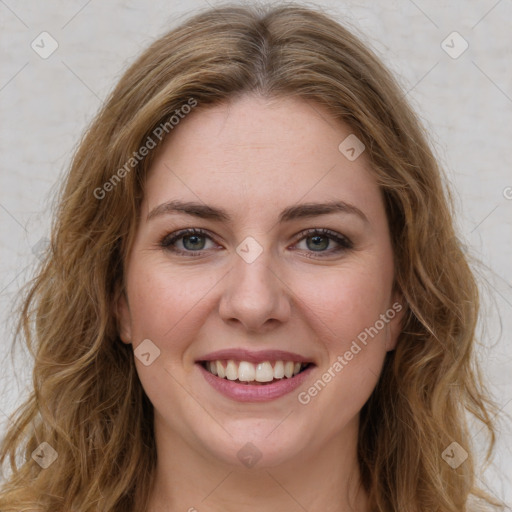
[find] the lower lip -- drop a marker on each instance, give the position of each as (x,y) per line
(255,393)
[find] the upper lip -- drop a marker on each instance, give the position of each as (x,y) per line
(251,356)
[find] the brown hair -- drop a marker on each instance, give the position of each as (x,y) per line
(87,402)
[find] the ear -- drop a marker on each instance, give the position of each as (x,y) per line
(395,314)
(123,318)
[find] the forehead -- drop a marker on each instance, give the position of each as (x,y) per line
(255,154)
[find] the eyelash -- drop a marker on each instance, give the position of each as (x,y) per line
(168,240)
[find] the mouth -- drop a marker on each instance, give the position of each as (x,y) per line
(255,374)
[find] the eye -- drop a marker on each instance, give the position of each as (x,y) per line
(320,240)
(194,240)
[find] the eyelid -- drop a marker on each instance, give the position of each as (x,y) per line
(344,243)
(331,234)
(167,240)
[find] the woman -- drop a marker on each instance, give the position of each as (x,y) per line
(254,297)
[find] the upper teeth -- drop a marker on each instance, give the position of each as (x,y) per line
(245,371)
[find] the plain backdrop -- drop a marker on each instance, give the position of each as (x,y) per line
(464,102)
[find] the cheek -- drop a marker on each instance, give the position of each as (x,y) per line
(164,299)
(166,307)
(346,300)
(346,308)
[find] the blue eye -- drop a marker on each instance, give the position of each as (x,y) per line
(320,239)
(194,239)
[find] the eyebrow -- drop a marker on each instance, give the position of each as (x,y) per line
(300,211)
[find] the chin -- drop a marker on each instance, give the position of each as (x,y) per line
(255,444)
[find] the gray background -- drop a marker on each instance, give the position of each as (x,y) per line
(465,103)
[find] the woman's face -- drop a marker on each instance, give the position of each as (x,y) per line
(257,286)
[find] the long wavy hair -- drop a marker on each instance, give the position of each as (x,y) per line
(87,402)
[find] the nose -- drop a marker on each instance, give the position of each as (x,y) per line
(255,296)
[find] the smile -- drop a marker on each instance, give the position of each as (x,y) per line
(250,373)
(264,381)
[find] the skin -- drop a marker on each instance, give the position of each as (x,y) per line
(254,157)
